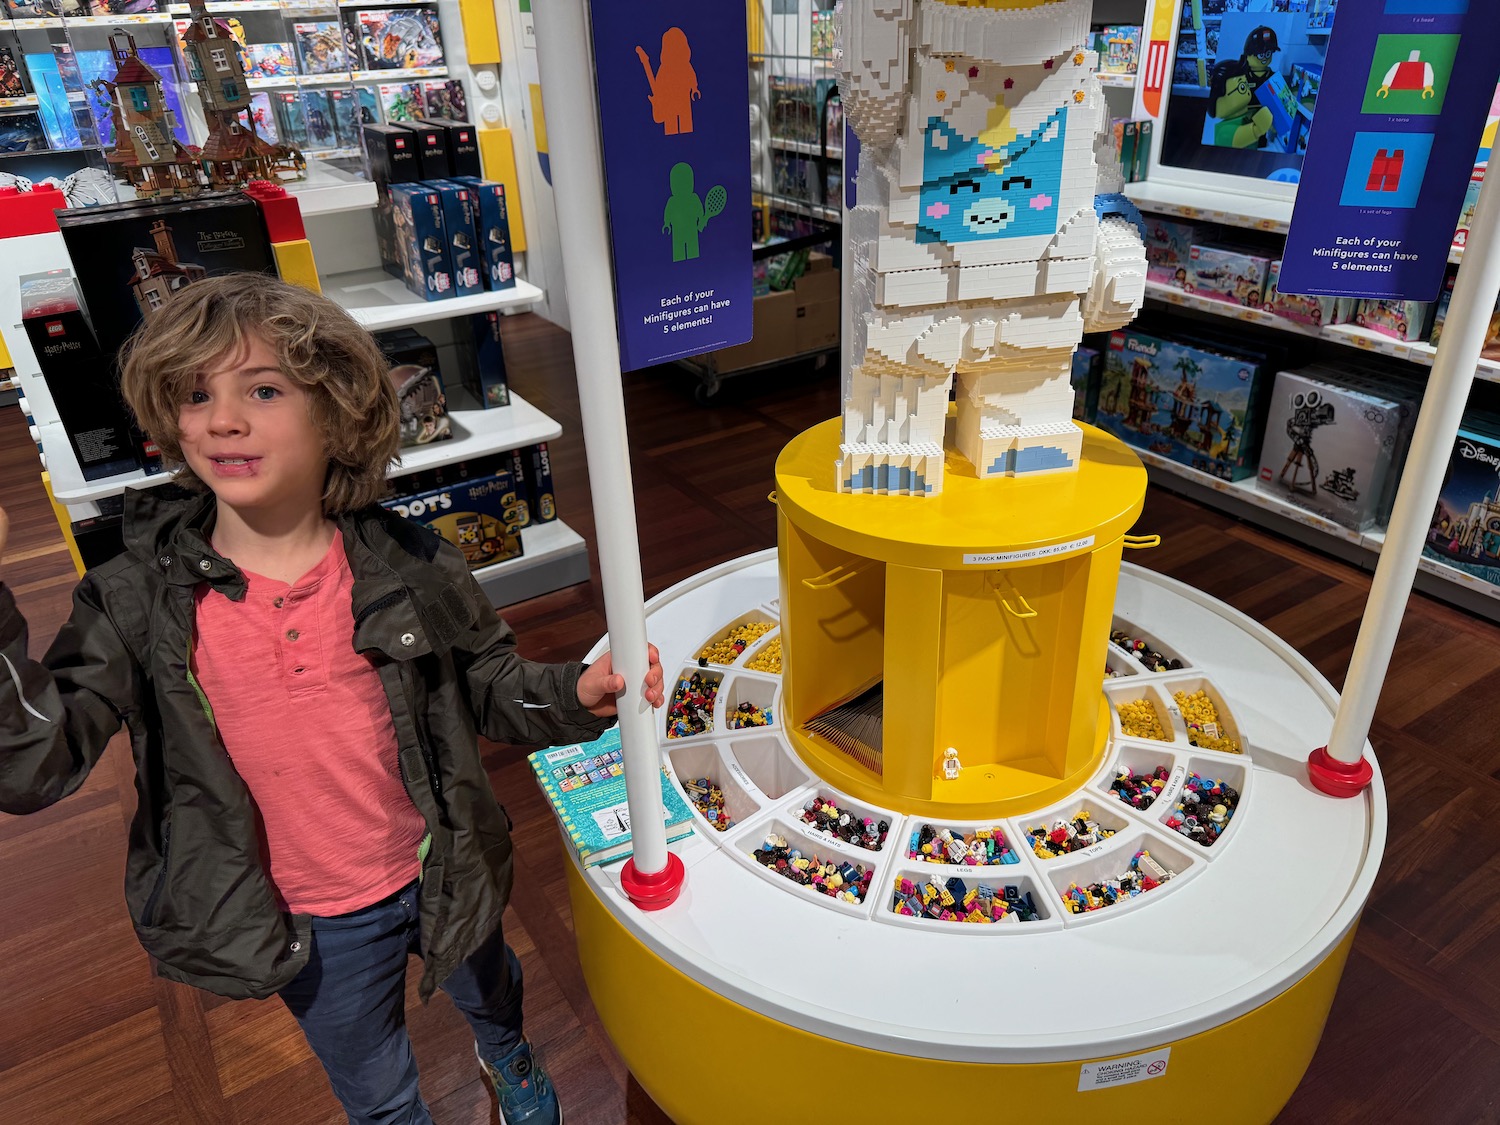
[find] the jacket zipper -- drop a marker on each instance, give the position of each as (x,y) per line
(148,912)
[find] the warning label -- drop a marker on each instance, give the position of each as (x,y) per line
(1121,1072)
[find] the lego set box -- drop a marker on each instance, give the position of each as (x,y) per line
(133,258)
(420,240)
(1203,408)
(1085,379)
(1168,246)
(482,517)
(496,257)
(1228,272)
(1329,448)
(1465,531)
(77,374)
(530,472)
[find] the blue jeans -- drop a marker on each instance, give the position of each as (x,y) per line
(350,1000)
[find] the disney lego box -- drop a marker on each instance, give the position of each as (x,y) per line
(1465,529)
(1329,448)
(1202,408)
(480,517)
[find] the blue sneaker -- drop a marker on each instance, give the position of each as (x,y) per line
(525,1092)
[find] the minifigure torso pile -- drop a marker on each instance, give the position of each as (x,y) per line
(986,240)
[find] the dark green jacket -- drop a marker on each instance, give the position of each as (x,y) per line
(195,882)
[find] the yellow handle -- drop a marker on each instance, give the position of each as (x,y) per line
(827,581)
(1138,542)
(1000,583)
(772,497)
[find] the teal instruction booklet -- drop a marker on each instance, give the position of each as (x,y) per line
(586,784)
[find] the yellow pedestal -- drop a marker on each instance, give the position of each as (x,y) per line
(704,1058)
(984,611)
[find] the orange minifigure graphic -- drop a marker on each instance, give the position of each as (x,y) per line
(674,86)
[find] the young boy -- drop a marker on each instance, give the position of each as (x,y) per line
(303,676)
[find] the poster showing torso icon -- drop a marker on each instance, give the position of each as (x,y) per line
(674,112)
(1403,103)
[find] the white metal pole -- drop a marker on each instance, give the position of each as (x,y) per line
(1474,295)
(565,57)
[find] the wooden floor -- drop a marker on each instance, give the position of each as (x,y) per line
(89,1036)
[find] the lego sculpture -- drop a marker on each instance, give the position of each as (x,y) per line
(986,240)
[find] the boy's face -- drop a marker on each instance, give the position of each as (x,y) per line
(247,434)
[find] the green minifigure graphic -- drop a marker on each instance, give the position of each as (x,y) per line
(686,215)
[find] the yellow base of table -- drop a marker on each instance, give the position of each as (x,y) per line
(703,1058)
(984,614)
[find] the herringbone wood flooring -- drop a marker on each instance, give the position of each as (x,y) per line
(89,1036)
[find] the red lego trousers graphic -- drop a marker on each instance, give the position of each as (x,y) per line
(1385,170)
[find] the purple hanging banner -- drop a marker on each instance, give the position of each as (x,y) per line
(674,115)
(1405,89)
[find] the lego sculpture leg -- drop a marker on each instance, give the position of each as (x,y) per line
(897,406)
(1015,414)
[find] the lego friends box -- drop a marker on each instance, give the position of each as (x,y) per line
(1194,406)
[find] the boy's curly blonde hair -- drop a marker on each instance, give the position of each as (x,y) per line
(318,345)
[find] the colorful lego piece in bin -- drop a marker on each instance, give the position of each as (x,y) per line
(708,799)
(1138,719)
(1143,874)
(732,645)
(953,901)
(982,847)
(1139,790)
(1201,718)
(767,659)
(844,881)
(823,815)
(1065,836)
(747,714)
(692,708)
(1138,648)
(1204,810)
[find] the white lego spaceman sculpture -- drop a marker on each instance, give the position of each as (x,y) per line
(986,240)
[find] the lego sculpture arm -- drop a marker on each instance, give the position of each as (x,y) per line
(874,38)
(1119,284)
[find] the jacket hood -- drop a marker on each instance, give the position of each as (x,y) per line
(405,584)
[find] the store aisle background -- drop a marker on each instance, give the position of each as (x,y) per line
(90,1037)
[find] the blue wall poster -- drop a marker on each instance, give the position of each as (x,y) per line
(1405,90)
(674,115)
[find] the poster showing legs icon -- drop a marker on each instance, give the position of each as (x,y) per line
(1404,92)
(674,113)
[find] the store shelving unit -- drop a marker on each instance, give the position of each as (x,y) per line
(1242,499)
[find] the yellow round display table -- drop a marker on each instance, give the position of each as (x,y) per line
(754,999)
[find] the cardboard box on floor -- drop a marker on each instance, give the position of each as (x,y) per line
(803,318)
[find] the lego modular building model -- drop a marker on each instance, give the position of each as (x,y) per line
(942,638)
(146,154)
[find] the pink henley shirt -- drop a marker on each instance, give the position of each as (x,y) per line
(307,724)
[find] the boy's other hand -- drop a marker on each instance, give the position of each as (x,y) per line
(600,683)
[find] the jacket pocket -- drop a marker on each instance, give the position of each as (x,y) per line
(149,910)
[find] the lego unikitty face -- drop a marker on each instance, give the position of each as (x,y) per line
(971,191)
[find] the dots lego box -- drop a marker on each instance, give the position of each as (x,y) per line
(482,517)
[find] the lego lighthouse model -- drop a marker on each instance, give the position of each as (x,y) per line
(986,240)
